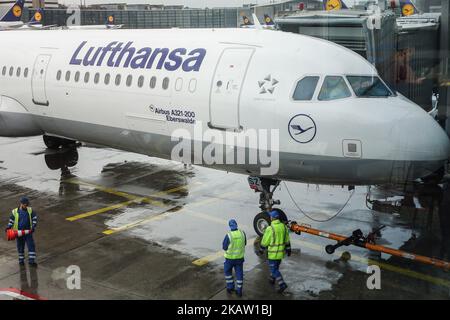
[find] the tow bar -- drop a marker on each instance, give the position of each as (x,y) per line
(358,239)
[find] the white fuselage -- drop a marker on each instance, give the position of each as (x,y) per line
(222,79)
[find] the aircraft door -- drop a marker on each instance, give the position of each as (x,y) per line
(226,88)
(39,78)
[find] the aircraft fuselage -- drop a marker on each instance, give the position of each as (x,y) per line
(132,89)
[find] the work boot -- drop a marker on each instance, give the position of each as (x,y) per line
(271,280)
(239,293)
(282,288)
(32,264)
(21,263)
(230,291)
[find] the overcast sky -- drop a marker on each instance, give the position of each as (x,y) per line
(187,3)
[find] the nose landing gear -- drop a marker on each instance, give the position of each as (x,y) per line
(266,188)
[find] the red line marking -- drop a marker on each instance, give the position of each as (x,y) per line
(22,293)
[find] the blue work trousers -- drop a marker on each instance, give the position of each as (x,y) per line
(29,241)
(275,274)
(238,266)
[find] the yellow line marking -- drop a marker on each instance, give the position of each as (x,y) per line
(207,217)
(406,272)
(162,193)
(102,210)
(136,223)
(111,231)
(209,200)
(133,199)
(205,260)
(212,257)
(214,219)
(127,195)
(103,189)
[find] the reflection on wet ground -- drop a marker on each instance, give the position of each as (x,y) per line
(146,228)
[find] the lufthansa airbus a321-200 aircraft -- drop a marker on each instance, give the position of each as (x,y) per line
(338,122)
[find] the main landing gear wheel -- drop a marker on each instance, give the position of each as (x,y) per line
(266,202)
(54,143)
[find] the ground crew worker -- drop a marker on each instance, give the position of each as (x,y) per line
(24,218)
(234,247)
(276,240)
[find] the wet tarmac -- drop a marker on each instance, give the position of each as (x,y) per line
(146,228)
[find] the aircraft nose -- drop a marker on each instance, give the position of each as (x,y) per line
(421,140)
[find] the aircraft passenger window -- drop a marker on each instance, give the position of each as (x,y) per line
(18,72)
(11,71)
(118,79)
(4,71)
(68,76)
(58,75)
(192,85)
(141,81)
(25,73)
(334,87)
(107,78)
(97,78)
(86,77)
(165,83)
(305,89)
(153,82)
(129,80)
(179,84)
(368,87)
(77,76)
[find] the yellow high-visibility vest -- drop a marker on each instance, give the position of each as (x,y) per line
(276,238)
(15,213)
(236,248)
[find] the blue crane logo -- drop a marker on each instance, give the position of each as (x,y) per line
(302,128)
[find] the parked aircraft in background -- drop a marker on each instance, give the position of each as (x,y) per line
(12,19)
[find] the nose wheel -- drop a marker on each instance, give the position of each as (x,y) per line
(262,221)
(266,188)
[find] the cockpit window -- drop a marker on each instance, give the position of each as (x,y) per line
(369,87)
(334,87)
(305,89)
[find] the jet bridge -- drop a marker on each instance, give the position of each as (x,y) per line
(372,35)
(404,50)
